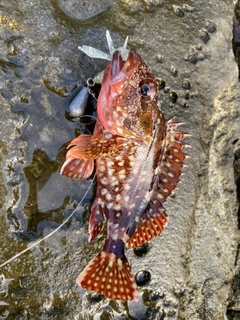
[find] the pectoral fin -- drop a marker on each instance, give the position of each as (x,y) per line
(77,169)
(93,147)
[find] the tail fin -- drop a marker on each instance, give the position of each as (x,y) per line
(111,276)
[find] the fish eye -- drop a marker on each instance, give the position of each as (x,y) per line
(148,89)
(144,91)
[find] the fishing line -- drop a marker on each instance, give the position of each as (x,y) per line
(79,204)
(51,233)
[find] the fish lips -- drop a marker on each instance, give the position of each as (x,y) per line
(117,63)
(120,71)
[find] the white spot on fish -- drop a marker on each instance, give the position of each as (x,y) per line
(103,191)
(110,172)
(109,205)
(110,163)
(108,135)
(118,197)
(117,207)
(104,181)
(127,187)
(108,197)
(120,130)
(101,168)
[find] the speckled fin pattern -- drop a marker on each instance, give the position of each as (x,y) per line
(154,218)
(111,276)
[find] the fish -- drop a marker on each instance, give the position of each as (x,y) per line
(139,158)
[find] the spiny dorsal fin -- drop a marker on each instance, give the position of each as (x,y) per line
(154,219)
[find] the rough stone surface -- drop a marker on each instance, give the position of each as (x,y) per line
(194,264)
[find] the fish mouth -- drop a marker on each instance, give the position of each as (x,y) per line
(121,71)
(117,63)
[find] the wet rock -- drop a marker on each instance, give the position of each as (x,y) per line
(210,26)
(178,11)
(137,310)
(173,96)
(174,71)
(159,58)
(188,8)
(166,90)
(192,55)
(198,251)
(184,104)
(187,94)
(219,175)
(83,10)
(236,36)
(140,251)
(186,84)
(161,84)
(142,277)
(204,35)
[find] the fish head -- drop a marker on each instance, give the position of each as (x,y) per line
(127,103)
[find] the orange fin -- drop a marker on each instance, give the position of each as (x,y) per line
(151,225)
(172,161)
(154,218)
(111,276)
(77,169)
(96,222)
(93,147)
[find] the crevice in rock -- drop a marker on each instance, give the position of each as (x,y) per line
(236,168)
(233,309)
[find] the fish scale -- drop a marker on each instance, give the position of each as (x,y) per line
(138,157)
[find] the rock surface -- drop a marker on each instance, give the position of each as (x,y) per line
(194,265)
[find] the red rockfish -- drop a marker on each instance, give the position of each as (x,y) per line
(138,157)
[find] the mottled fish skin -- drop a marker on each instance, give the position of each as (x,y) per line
(139,157)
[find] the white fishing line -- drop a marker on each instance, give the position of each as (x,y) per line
(51,233)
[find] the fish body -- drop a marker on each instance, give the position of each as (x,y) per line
(138,156)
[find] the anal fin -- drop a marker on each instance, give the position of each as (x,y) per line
(151,225)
